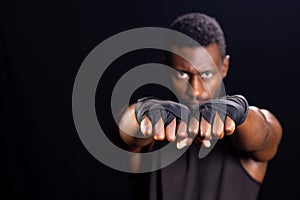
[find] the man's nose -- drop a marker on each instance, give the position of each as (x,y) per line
(197,86)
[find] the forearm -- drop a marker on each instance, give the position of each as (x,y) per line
(129,131)
(259,135)
(134,144)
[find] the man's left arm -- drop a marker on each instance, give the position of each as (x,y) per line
(259,135)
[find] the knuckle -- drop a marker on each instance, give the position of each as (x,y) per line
(181,133)
(193,131)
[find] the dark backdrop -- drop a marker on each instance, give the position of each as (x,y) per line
(42,45)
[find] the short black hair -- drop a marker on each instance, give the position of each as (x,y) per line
(202,28)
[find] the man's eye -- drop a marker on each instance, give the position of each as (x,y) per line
(206,74)
(182,75)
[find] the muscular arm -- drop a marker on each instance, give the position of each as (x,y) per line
(259,135)
(129,128)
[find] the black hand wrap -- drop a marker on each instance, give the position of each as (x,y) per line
(155,109)
(236,107)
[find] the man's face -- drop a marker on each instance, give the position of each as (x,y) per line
(201,78)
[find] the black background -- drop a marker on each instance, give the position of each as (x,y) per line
(43,43)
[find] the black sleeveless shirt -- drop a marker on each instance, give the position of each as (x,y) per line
(218,176)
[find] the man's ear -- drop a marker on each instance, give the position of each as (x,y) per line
(225,66)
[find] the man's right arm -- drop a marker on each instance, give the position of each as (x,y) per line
(131,131)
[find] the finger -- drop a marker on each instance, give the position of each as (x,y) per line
(182,130)
(182,143)
(159,130)
(182,140)
(229,126)
(170,131)
(193,127)
(146,127)
(206,143)
(205,129)
(218,127)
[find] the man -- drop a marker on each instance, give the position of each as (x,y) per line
(248,137)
